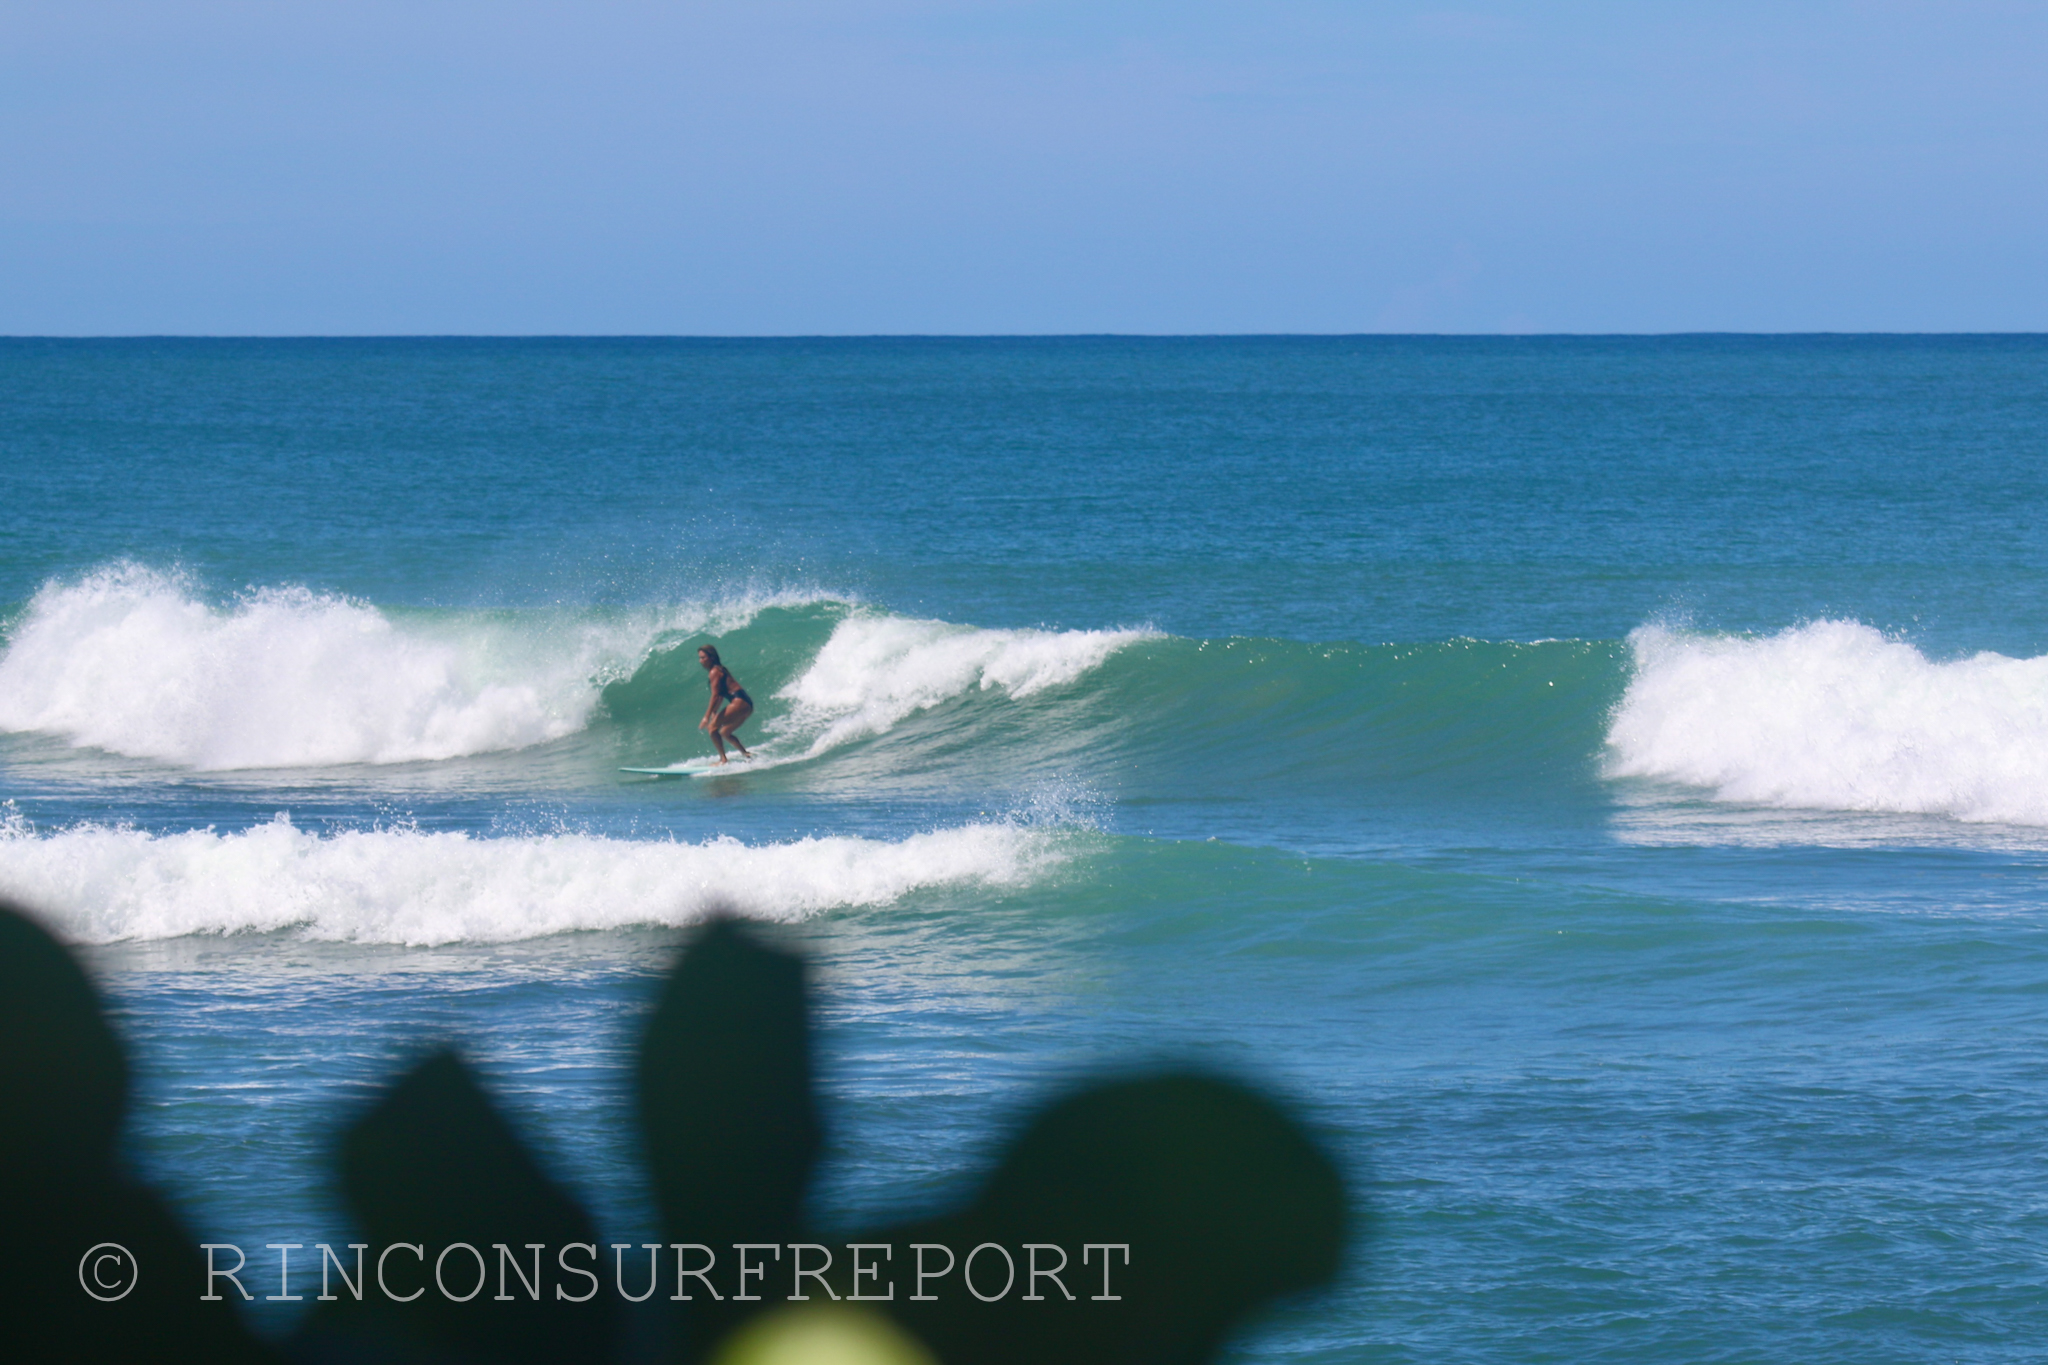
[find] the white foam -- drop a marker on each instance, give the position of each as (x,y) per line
(130,660)
(100,884)
(876,670)
(1832,715)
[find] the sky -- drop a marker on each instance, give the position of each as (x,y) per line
(776,167)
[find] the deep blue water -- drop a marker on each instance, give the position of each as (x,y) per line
(1603,780)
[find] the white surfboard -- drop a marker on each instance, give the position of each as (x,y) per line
(681,770)
(704,767)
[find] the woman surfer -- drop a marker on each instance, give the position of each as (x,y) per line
(729,706)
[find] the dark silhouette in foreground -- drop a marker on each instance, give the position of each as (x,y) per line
(1221,1200)
(64,1191)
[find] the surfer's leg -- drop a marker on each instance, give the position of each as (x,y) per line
(729,721)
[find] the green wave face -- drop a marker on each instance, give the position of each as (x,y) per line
(669,686)
(850,700)
(866,697)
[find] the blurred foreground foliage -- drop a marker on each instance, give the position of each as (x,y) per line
(1222,1198)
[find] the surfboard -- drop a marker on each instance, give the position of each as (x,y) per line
(695,769)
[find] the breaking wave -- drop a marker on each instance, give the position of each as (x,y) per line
(133,661)
(876,670)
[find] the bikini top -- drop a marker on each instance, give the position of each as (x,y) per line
(727,688)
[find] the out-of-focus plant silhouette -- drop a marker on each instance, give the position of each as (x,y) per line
(1222,1199)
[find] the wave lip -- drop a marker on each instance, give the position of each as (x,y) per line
(1833,715)
(102,884)
(129,660)
(875,671)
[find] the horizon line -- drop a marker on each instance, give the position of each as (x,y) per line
(999,336)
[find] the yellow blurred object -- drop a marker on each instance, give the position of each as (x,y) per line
(822,1334)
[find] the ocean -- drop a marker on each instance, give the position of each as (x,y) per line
(1602,783)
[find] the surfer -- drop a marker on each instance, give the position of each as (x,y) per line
(729,706)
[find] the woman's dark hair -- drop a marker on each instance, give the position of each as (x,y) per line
(710,652)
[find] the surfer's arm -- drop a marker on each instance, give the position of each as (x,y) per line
(711,707)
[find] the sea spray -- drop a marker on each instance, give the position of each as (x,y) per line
(102,884)
(1834,715)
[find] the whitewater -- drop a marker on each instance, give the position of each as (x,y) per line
(1834,715)
(107,884)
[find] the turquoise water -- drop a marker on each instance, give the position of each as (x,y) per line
(1604,780)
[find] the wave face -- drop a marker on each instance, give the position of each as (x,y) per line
(102,884)
(1833,715)
(882,698)
(135,662)
(132,661)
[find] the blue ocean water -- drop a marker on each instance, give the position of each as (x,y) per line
(1603,780)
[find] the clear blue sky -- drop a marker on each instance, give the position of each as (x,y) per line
(776,166)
